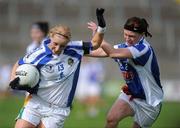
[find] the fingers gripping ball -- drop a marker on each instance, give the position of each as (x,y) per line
(28,75)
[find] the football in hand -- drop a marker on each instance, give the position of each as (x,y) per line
(28,75)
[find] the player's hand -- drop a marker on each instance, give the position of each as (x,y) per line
(14,84)
(125,89)
(92,26)
(100,17)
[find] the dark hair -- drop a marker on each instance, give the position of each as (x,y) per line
(42,25)
(138,25)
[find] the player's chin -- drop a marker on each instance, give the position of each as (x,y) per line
(130,43)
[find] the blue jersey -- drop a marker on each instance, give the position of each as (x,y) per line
(141,73)
(58,73)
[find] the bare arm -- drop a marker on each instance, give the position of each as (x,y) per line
(116,53)
(13,71)
(106,49)
(99,34)
(97,40)
(99,52)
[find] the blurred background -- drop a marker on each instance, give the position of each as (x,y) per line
(163,16)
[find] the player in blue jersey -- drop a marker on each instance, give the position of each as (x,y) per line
(142,95)
(58,60)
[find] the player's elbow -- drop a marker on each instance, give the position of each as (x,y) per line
(96,44)
(110,55)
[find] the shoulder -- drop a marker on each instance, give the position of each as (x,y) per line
(37,53)
(75,43)
(143,45)
(140,48)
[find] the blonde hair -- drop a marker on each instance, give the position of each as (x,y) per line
(60,29)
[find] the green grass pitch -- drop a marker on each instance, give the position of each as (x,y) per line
(10,106)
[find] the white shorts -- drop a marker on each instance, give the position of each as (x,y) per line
(145,114)
(36,110)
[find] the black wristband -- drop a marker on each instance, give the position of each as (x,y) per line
(86,47)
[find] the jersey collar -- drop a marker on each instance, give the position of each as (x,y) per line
(47,49)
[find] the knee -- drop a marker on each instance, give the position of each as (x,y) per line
(111,121)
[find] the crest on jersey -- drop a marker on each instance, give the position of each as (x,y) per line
(70,61)
(49,68)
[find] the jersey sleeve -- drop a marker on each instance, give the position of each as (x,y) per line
(120,45)
(32,58)
(138,50)
(140,53)
(86,47)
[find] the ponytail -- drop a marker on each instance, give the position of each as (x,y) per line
(146,26)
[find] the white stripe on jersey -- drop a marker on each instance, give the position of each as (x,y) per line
(75,43)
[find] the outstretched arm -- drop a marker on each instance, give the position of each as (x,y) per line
(116,53)
(99,52)
(99,34)
(106,49)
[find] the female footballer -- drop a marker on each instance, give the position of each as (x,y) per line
(142,95)
(58,60)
